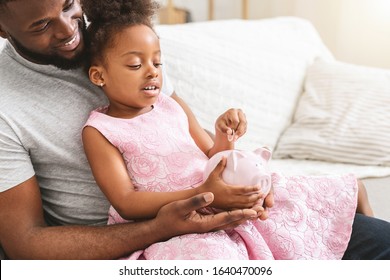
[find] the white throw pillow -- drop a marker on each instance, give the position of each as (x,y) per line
(343,116)
(256,65)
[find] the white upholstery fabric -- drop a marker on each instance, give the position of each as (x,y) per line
(256,65)
(343,116)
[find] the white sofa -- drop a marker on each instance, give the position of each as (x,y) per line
(319,115)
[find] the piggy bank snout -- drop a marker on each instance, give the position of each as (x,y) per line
(264,181)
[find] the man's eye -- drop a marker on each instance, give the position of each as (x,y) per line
(42,27)
(135,67)
(69,6)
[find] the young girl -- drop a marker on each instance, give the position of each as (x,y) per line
(146,149)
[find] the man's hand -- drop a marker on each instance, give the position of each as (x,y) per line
(181,217)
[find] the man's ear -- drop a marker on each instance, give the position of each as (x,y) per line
(3,34)
(96,75)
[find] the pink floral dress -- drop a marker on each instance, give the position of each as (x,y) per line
(311,218)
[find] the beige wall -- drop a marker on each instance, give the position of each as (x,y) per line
(364,34)
(356,31)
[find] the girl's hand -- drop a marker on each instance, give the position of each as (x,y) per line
(269,201)
(226,196)
(232,125)
(263,205)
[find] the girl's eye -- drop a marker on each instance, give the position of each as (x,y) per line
(157,65)
(135,67)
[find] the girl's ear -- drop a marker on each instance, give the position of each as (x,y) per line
(96,75)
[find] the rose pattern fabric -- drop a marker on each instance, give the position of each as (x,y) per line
(311,218)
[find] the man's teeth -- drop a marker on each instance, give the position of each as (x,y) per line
(70,42)
(150,88)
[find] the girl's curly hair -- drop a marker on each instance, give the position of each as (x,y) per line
(107,17)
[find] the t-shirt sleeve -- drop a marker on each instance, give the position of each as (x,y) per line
(167,87)
(15,162)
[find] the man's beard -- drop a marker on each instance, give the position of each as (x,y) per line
(56,60)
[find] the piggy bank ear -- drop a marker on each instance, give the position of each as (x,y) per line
(233,158)
(264,153)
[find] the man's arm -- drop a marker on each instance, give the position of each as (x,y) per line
(24,234)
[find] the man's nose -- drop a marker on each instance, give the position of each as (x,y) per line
(66,26)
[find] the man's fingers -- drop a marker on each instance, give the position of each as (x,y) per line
(230,219)
(194,203)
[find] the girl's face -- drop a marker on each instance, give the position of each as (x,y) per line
(131,73)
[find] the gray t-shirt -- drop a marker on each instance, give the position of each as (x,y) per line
(42,112)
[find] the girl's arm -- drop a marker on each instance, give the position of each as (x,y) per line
(232,123)
(110,172)
(201,137)
(111,175)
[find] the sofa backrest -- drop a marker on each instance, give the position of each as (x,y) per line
(256,65)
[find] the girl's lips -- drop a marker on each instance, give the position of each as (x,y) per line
(151,91)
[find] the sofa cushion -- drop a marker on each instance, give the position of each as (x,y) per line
(256,65)
(343,116)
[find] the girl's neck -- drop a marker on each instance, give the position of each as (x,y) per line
(128,112)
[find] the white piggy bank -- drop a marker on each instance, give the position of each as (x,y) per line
(243,168)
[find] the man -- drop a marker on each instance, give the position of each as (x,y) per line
(44,175)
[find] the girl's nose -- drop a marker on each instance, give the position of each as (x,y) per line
(153,72)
